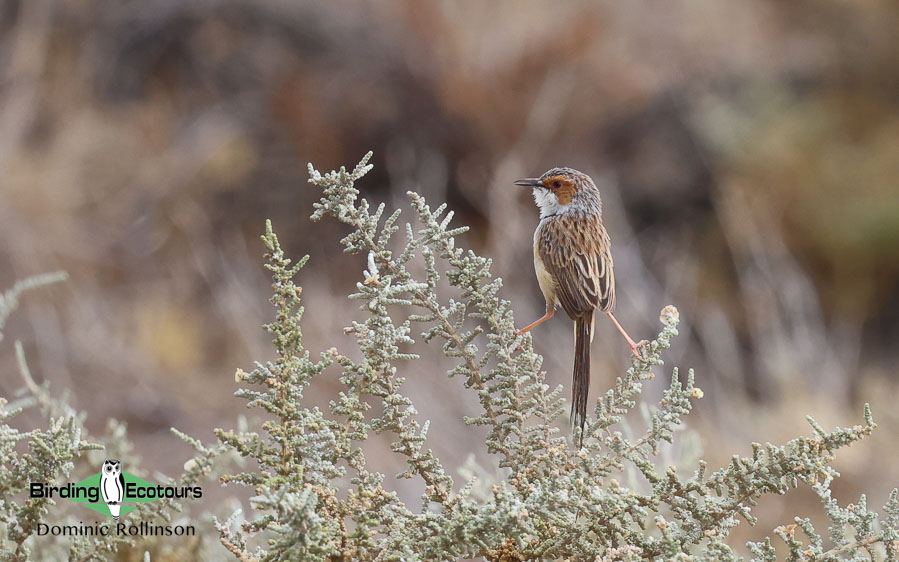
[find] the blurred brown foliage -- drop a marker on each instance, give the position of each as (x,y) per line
(747,153)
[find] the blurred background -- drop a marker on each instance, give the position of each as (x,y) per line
(747,155)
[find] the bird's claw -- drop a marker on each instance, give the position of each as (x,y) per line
(635,348)
(520,343)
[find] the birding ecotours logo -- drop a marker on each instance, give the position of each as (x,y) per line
(113,492)
(112,484)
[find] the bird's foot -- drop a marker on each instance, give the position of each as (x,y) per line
(635,348)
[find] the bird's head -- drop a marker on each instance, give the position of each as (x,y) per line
(563,190)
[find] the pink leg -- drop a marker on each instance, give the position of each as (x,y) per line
(630,342)
(550,310)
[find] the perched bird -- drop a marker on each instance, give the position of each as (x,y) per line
(572,256)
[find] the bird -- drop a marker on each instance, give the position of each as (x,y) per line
(112,484)
(573,262)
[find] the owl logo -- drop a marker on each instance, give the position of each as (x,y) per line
(112,485)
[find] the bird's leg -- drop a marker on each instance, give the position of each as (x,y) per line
(550,310)
(630,342)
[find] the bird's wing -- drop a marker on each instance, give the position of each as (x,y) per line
(121,486)
(575,251)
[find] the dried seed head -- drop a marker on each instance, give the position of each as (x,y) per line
(669,315)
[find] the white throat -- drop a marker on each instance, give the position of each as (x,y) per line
(548,203)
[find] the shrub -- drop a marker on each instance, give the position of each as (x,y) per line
(315,499)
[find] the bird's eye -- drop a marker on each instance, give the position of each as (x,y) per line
(557,184)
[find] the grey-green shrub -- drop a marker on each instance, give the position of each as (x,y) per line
(558,501)
(315,499)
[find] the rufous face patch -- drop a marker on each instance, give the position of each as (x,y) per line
(562,186)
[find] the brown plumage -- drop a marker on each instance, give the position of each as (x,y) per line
(573,262)
(576,252)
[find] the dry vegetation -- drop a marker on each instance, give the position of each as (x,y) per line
(747,151)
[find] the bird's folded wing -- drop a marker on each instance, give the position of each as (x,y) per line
(575,251)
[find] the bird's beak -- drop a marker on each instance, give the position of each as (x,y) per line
(529,182)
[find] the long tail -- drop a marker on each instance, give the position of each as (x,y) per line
(580,387)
